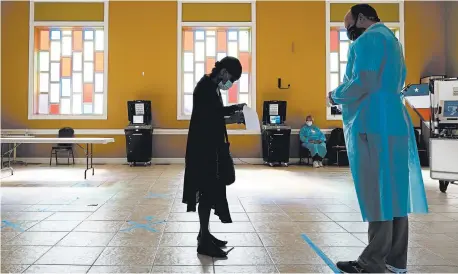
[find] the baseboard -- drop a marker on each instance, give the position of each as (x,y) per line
(160,161)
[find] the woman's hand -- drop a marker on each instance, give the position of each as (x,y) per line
(240,106)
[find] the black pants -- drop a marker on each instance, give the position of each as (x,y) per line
(317,158)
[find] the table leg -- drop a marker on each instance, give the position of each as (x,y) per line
(88,155)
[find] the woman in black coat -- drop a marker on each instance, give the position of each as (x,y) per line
(206,135)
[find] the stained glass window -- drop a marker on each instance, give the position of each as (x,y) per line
(202,47)
(69,69)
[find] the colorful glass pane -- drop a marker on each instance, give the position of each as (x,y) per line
(43,60)
(67,46)
(43,104)
(334,41)
(66,67)
(66,87)
(188,41)
(199,51)
(88,35)
(99,61)
(334,61)
(232,49)
(77,40)
(77,61)
(188,62)
(54,93)
(344,51)
(222,43)
(98,82)
(99,40)
(87,108)
(77,104)
(87,93)
(210,64)
(88,72)
(233,94)
(245,61)
(54,109)
(44,40)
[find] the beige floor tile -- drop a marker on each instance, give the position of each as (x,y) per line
(109,215)
(182,269)
(126,256)
(13,268)
(431,217)
(37,238)
(268,217)
(69,216)
(236,217)
(432,269)
(309,217)
(276,227)
(453,216)
(22,254)
(57,226)
(21,225)
(319,227)
(6,236)
(137,237)
(354,227)
(282,239)
(336,254)
(335,209)
(448,253)
(246,269)
(181,256)
(246,256)
(57,269)
(291,255)
(262,209)
(64,255)
(433,240)
(120,269)
(86,239)
(245,227)
(183,227)
(298,208)
(99,226)
(345,217)
(423,256)
(304,269)
(443,208)
(189,239)
(31,216)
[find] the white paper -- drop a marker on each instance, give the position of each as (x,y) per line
(139,109)
(251,119)
(138,119)
(273,109)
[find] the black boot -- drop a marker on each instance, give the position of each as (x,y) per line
(207,247)
(216,241)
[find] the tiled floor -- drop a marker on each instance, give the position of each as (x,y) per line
(132,220)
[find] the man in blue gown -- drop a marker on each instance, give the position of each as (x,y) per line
(380,142)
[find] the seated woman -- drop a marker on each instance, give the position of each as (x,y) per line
(314,140)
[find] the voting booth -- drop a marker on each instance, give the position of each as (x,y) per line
(276,135)
(139,133)
(436,103)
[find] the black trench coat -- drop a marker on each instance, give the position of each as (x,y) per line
(205,136)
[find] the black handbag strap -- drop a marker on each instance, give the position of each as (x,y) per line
(225,135)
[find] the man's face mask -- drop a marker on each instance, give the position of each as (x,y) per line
(226,85)
(354,32)
(308,123)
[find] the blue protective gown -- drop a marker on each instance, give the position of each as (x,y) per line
(313,133)
(379,134)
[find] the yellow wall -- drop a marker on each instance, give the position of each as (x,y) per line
(142,38)
(424,41)
(452,38)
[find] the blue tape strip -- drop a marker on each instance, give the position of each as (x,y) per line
(320,253)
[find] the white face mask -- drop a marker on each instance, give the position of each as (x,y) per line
(225,86)
(308,123)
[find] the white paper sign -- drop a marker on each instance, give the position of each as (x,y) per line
(139,109)
(251,119)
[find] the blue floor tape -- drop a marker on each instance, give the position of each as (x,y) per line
(320,253)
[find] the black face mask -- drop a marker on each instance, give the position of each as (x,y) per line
(354,32)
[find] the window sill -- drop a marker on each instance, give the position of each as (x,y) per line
(67,117)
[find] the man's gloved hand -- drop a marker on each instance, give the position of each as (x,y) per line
(330,99)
